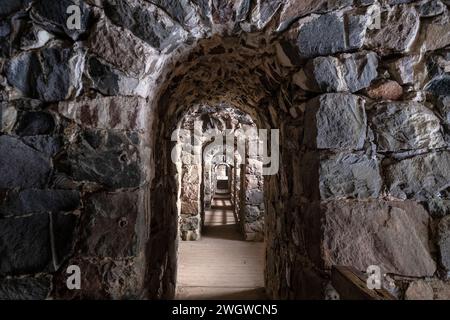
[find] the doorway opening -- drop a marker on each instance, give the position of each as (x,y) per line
(219,255)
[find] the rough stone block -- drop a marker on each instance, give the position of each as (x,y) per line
(326,34)
(399,29)
(107,157)
(37,288)
(30,201)
(348,72)
(390,234)
(53,16)
(404,126)
(119,113)
(335,121)
(349,175)
(21,166)
(129,54)
(25,245)
(110,229)
(444,242)
(50,74)
(421,177)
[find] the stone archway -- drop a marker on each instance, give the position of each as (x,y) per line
(362,110)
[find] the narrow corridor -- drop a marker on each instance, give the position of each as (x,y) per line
(221,265)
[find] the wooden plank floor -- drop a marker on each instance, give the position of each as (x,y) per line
(221,265)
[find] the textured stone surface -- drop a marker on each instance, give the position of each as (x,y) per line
(51,74)
(110,226)
(11,6)
(419,290)
(129,54)
(327,34)
(35,123)
(406,126)
(53,16)
(119,113)
(34,201)
(420,177)
(28,288)
(148,23)
(444,109)
(21,166)
(431,8)
(348,72)
(444,242)
(335,121)
(109,158)
(403,69)
(385,90)
(439,86)
(392,235)
(399,28)
(8,117)
(17,258)
(110,81)
(349,175)
(435,35)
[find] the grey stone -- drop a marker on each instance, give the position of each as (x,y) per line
(335,121)
(28,288)
(184,11)
(8,117)
(326,34)
(50,74)
(34,38)
(25,245)
(108,158)
(444,242)
(10,6)
(421,177)
(5,45)
(419,290)
(443,106)
(438,207)
(113,82)
(148,23)
(110,228)
(402,69)
(53,16)
(47,145)
(439,86)
(38,201)
(252,213)
(399,29)
(63,231)
(406,126)
(254,197)
(21,166)
(119,113)
(264,12)
(35,123)
(295,9)
(430,8)
(435,35)
(129,54)
(348,72)
(349,175)
(389,234)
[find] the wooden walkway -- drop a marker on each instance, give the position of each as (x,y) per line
(221,265)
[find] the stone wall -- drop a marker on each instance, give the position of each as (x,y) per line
(361,101)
